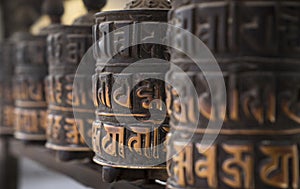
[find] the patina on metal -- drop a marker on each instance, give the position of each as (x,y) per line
(121,139)
(29,74)
(255,45)
(6,97)
(66,47)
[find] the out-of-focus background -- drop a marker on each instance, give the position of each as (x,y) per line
(74,9)
(14,11)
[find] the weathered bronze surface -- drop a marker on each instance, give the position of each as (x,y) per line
(125,135)
(6,97)
(30,103)
(257,147)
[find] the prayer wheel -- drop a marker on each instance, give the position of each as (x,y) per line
(65,50)
(30,103)
(256,44)
(6,97)
(66,47)
(30,72)
(126,133)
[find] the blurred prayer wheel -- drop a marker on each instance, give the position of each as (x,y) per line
(66,48)
(29,79)
(254,43)
(126,133)
(30,103)
(6,97)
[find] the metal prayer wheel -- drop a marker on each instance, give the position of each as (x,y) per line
(125,135)
(70,114)
(66,48)
(29,78)
(6,97)
(254,43)
(30,103)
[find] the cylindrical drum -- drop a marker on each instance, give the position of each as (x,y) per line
(129,90)
(30,103)
(6,91)
(256,44)
(66,47)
